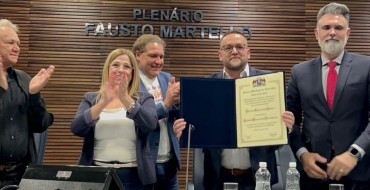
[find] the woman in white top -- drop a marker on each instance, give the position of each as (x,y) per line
(116,121)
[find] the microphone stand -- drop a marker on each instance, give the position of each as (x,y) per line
(188,157)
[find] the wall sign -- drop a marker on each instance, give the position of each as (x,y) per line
(191,30)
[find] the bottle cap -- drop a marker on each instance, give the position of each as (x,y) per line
(292,164)
(263,164)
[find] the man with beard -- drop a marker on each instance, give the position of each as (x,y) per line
(332,93)
(236,165)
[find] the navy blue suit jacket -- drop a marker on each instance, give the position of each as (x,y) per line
(347,123)
(164,78)
(212,156)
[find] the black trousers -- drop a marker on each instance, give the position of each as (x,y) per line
(12,175)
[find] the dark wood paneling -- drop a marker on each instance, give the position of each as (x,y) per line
(52,32)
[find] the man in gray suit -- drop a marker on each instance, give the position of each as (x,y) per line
(332,92)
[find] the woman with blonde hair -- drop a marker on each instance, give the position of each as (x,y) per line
(116,122)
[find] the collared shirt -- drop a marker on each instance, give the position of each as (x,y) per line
(236,158)
(325,69)
(13,121)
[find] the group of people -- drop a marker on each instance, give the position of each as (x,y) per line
(128,123)
(132,122)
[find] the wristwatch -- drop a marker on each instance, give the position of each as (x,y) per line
(355,153)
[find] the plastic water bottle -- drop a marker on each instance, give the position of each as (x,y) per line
(263,177)
(292,177)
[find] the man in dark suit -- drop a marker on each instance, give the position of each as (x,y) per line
(236,165)
(332,92)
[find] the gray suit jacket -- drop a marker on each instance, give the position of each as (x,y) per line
(347,123)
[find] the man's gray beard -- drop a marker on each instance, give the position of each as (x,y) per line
(332,46)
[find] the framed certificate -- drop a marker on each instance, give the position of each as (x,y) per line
(260,101)
(231,113)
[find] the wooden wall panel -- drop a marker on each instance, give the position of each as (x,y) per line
(52,32)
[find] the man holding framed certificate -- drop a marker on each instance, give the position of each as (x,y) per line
(234,164)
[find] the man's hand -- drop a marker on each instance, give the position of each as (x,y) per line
(179,126)
(3,74)
(341,165)
(40,80)
(288,119)
(172,94)
(309,161)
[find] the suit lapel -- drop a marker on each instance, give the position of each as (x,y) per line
(218,75)
(142,86)
(316,72)
(163,84)
(344,70)
(252,71)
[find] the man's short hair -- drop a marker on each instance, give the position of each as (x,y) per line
(8,23)
(334,8)
(142,41)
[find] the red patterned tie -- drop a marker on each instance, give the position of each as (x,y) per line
(331,83)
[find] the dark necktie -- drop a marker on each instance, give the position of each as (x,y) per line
(331,83)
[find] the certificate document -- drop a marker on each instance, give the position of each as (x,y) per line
(260,101)
(233,113)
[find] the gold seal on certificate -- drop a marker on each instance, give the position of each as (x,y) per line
(260,100)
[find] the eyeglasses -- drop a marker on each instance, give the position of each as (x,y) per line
(117,66)
(230,48)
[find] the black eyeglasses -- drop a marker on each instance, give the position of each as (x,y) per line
(230,48)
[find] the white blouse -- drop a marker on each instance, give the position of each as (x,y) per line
(115,137)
